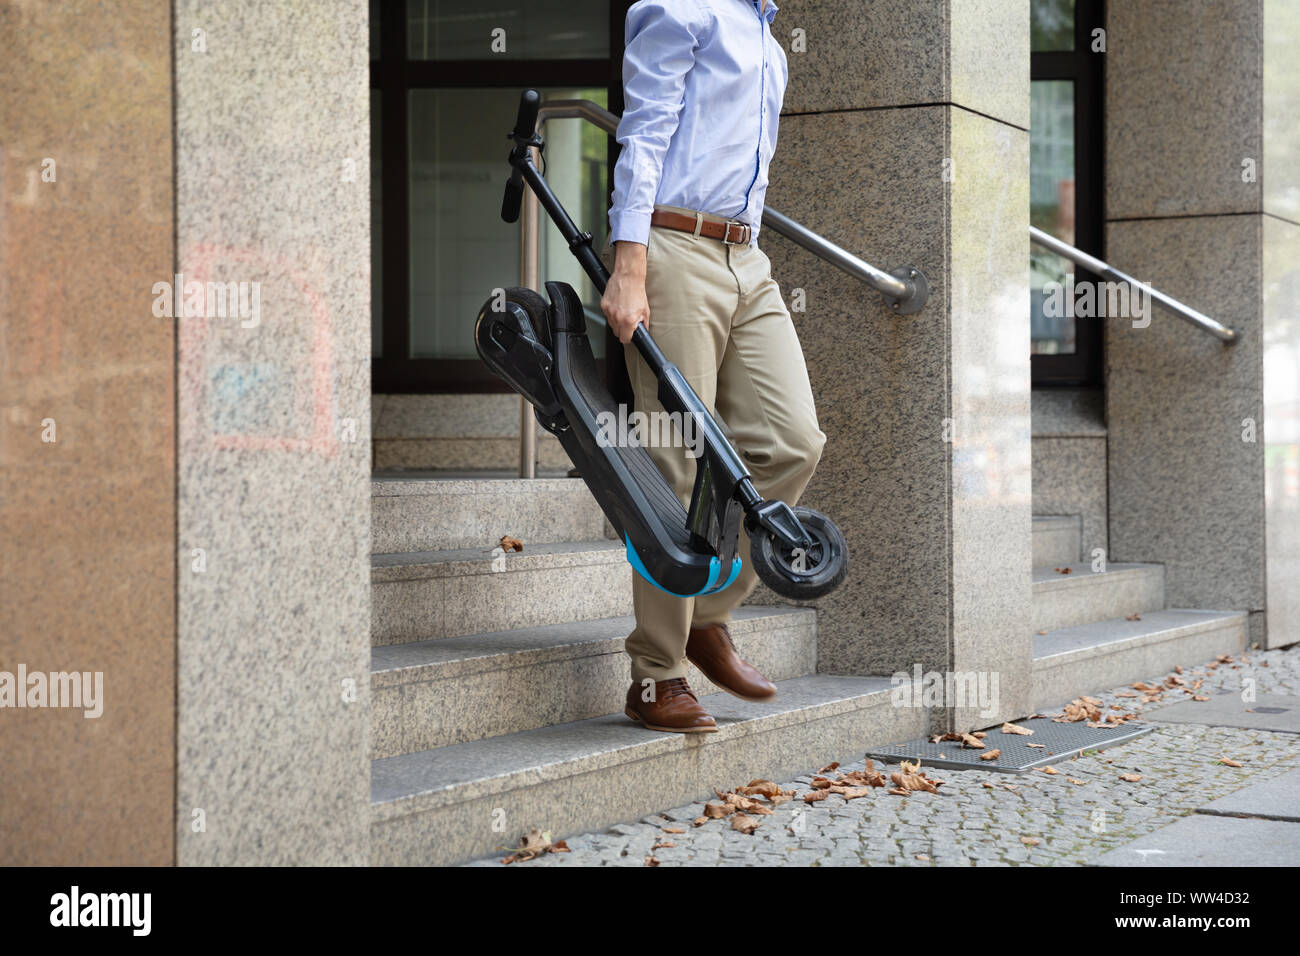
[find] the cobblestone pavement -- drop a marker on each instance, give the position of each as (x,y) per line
(970,824)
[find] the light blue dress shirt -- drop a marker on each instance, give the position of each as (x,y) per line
(703,83)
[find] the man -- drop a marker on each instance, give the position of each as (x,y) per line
(703,85)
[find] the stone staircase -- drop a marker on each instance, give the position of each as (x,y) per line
(1084,640)
(497,680)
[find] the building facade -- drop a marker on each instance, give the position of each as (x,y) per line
(251,472)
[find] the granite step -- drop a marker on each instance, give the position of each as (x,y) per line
(1083,595)
(466,800)
(469,452)
(432,513)
(1057,540)
(1087,658)
(434,693)
(426,595)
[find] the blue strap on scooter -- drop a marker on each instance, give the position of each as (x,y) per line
(715,569)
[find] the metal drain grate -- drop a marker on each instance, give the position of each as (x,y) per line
(1059,741)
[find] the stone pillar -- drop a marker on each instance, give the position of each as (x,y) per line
(904,139)
(1202,186)
(87,468)
(272,169)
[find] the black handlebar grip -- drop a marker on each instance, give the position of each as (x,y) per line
(526,122)
(513,198)
(525,127)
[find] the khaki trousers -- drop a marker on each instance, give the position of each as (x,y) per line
(718,315)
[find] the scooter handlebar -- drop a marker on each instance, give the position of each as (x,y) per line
(526,121)
(525,127)
(513,198)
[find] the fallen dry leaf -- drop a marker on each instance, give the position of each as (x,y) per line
(970,740)
(988,785)
(1077,783)
(699,821)
(744,823)
(1017,729)
(742,804)
(673,830)
(651,861)
(511,544)
(1130,777)
(1037,746)
(1062,570)
(533,844)
(863,778)
(1030,841)
(1133,617)
(716,811)
(898,792)
(816,796)
(1229,763)
(1049,770)
(830,767)
(1199,698)
(991,755)
(911,778)
(765,788)
(1082,708)
(923,857)
(662,846)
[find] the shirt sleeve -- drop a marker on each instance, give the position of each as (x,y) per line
(661,41)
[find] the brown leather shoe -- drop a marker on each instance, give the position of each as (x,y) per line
(711,649)
(675,709)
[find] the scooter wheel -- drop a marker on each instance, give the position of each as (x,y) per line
(808,573)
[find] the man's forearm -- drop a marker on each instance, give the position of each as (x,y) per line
(629,259)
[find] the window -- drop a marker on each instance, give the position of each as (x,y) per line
(1065,170)
(445,82)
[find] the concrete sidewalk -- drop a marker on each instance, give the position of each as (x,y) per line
(1188,808)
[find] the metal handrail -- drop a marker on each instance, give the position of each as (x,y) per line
(905,290)
(1107,271)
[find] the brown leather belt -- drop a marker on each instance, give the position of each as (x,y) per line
(731,232)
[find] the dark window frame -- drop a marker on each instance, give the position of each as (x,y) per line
(393,76)
(1085,366)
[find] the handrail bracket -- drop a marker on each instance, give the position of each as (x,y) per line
(918,291)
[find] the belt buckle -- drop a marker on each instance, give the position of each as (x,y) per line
(727,232)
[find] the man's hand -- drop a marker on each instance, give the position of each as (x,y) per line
(624,302)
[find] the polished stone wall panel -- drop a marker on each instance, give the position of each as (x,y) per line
(989,373)
(273,146)
(903,53)
(1185,489)
(1281,429)
(87,544)
(1281,169)
(880,380)
(1183,106)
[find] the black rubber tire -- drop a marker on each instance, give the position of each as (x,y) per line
(826,563)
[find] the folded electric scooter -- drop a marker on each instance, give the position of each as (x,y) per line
(541,349)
